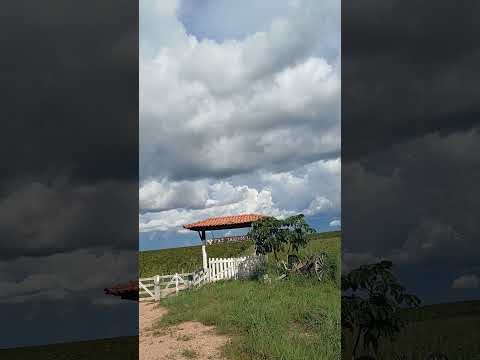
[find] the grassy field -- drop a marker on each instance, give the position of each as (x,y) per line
(186,259)
(123,348)
(292,319)
(451,329)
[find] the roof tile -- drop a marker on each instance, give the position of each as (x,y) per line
(224,222)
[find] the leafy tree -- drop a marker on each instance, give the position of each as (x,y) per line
(297,231)
(272,235)
(372,299)
(265,232)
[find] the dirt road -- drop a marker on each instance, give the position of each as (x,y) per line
(189,340)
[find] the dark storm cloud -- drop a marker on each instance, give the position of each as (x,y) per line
(408,68)
(69,75)
(433,186)
(68,168)
(410,139)
(69,137)
(38,220)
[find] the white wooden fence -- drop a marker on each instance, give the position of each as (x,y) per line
(157,287)
(224,269)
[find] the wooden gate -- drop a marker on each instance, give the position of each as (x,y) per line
(156,287)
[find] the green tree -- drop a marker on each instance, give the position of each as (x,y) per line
(372,300)
(273,235)
(297,231)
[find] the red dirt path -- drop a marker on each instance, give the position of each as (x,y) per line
(189,340)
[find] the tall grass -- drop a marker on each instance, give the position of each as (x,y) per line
(297,318)
(451,329)
(290,320)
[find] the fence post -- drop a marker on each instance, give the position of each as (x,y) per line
(156,282)
(209,270)
(176,283)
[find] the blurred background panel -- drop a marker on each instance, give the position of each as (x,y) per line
(410,164)
(68,170)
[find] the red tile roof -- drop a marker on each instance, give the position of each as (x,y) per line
(224,222)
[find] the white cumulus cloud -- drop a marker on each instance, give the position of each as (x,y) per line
(241,125)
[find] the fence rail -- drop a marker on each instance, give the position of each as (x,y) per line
(157,287)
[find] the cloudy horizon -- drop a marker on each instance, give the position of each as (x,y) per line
(239,113)
(410,139)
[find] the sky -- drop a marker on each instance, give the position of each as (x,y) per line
(239,113)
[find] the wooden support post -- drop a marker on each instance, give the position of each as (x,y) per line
(176,283)
(204,251)
(156,283)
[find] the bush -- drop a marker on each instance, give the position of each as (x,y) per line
(259,271)
(253,268)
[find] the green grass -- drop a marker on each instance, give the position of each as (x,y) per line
(451,329)
(105,349)
(327,235)
(292,319)
(186,259)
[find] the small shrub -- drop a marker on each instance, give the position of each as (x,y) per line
(371,302)
(259,271)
